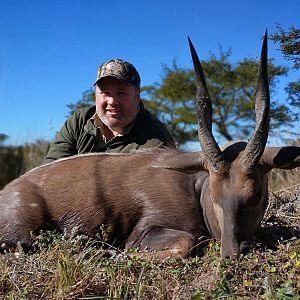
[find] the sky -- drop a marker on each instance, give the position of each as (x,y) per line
(50,50)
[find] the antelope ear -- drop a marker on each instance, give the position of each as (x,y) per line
(192,162)
(281,158)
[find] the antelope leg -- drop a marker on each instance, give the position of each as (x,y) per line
(161,242)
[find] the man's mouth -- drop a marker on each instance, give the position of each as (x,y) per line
(113,112)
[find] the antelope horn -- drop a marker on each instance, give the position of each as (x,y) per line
(211,150)
(257,143)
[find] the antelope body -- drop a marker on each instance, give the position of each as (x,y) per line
(162,200)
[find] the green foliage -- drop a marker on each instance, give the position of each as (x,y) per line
(3,137)
(232,91)
(293,90)
(87,100)
(289,42)
(11,163)
(173,102)
(16,160)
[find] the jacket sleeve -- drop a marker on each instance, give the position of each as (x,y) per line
(64,144)
(153,133)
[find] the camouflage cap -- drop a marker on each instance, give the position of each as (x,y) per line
(121,70)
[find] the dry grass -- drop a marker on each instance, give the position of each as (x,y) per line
(282,179)
(63,272)
(74,269)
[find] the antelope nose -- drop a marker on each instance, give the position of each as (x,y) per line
(230,254)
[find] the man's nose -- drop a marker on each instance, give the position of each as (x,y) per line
(112,99)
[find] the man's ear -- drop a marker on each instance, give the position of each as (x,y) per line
(138,95)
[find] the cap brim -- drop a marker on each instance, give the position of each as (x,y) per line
(113,76)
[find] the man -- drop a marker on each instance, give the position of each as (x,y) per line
(117,123)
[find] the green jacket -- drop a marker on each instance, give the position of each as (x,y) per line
(80,135)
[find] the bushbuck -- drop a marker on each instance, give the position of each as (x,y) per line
(161,201)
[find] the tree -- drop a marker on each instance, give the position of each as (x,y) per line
(3,138)
(231,87)
(173,103)
(289,42)
(87,100)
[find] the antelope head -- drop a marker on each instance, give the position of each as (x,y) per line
(237,181)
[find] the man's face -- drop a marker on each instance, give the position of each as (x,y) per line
(116,103)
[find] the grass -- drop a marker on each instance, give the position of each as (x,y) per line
(60,268)
(64,271)
(280,179)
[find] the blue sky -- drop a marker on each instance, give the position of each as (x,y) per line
(50,50)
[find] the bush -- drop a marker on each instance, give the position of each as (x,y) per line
(16,160)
